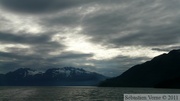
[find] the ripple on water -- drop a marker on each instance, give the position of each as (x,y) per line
(72,93)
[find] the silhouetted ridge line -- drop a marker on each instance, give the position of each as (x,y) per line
(66,76)
(161,71)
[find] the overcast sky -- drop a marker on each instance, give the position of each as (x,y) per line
(105,36)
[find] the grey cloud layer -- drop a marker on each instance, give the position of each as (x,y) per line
(40,6)
(39,44)
(152,23)
(121,23)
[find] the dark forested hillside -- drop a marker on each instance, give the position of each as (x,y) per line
(161,71)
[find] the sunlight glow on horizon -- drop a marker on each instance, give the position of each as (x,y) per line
(75,41)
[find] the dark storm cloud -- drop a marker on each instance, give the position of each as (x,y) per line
(167,49)
(13,60)
(40,46)
(64,56)
(150,24)
(40,42)
(70,55)
(12,57)
(40,6)
(150,37)
(25,38)
(105,22)
(64,20)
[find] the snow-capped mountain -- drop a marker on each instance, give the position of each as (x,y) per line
(54,76)
(71,73)
(67,71)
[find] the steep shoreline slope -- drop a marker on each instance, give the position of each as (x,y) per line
(161,71)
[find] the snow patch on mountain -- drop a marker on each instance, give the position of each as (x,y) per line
(32,72)
(68,71)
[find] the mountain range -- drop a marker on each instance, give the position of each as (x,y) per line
(66,76)
(162,71)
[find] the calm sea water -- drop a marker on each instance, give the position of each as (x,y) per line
(73,93)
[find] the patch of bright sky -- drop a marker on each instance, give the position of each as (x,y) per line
(88,10)
(4,47)
(80,43)
(17,23)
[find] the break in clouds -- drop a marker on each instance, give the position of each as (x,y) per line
(106,36)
